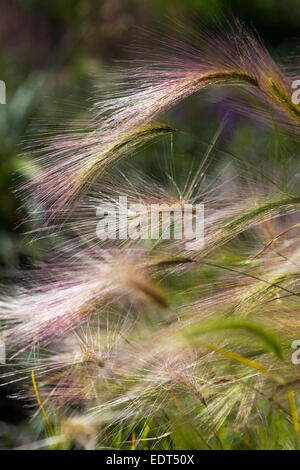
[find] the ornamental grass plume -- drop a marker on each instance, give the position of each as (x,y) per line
(150,344)
(67,294)
(125,117)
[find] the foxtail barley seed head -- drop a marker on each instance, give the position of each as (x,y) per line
(146,343)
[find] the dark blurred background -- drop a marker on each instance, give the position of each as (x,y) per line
(50,50)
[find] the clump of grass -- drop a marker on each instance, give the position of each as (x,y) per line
(140,93)
(144,344)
